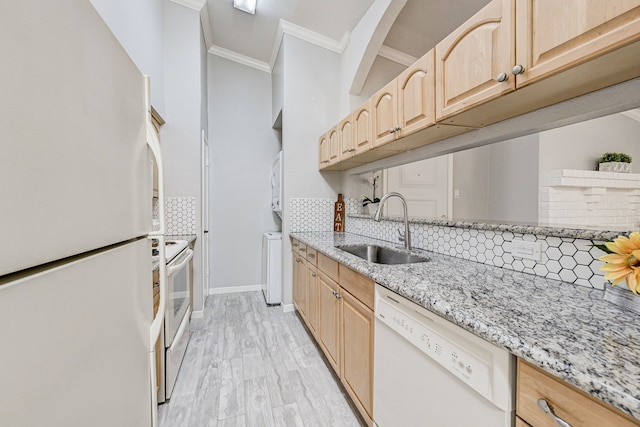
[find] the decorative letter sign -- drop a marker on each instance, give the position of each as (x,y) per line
(338,215)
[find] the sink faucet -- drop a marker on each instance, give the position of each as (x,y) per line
(406,237)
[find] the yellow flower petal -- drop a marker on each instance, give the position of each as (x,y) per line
(613,247)
(615,267)
(616,276)
(635,238)
(614,259)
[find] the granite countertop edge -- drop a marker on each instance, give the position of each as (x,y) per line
(569,331)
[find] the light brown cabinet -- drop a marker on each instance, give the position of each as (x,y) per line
(300,285)
(470,59)
(329,319)
(384,105)
(312,297)
(553,36)
(323,145)
(567,402)
(362,119)
(339,314)
(357,352)
(515,56)
(334,145)
(345,138)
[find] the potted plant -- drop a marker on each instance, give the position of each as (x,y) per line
(615,162)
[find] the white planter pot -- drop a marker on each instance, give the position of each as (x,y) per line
(615,167)
(371,208)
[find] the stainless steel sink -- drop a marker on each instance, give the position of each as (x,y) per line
(382,255)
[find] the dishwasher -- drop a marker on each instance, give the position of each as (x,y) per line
(430,372)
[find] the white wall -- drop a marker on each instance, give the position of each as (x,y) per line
(513,180)
(579,146)
(180,136)
(139,26)
(242,146)
(310,104)
(471,180)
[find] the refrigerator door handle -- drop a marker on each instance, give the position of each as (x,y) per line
(156,325)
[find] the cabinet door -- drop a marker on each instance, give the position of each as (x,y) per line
(385,113)
(299,285)
(555,35)
(362,128)
(470,59)
(334,146)
(357,351)
(312,298)
(416,95)
(328,333)
(345,138)
(324,151)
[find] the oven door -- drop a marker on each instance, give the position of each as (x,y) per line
(178,294)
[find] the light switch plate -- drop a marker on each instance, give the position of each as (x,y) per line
(527,250)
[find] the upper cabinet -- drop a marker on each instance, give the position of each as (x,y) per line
(406,104)
(511,58)
(324,151)
(416,100)
(384,105)
(473,64)
(515,56)
(553,36)
(362,122)
(334,145)
(345,138)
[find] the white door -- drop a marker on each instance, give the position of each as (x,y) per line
(425,186)
(205,216)
(74,168)
(75,342)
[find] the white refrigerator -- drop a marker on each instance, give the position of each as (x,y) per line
(76,304)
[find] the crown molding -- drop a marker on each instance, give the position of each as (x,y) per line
(191,4)
(207,29)
(396,56)
(286,27)
(241,59)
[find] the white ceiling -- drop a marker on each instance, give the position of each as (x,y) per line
(419,26)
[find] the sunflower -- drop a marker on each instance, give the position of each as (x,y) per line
(623,261)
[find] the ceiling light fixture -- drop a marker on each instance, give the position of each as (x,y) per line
(248,6)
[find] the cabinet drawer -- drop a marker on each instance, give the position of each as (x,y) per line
(328,266)
(572,405)
(312,256)
(358,285)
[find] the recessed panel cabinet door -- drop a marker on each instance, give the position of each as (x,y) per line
(416,95)
(555,35)
(385,114)
(357,351)
(300,285)
(345,138)
(334,146)
(312,298)
(474,63)
(362,122)
(324,151)
(329,319)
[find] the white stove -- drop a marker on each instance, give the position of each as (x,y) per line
(171,249)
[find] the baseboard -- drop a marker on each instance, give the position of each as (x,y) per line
(197,314)
(234,289)
(288,308)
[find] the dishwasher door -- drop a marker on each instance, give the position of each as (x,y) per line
(429,372)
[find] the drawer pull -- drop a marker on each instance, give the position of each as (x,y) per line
(546,408)
(311,255)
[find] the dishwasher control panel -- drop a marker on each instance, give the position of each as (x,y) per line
(430,339)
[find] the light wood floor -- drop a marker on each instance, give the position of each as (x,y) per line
(252,365)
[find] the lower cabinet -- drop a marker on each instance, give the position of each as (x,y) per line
(536,388)
(336,304)
(300,285)
(357,352)
(328,334)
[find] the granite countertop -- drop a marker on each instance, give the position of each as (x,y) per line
(569,331)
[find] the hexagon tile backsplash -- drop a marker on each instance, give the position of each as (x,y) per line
(181,215)
(571,258)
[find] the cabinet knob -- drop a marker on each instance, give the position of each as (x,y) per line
(517,69)
(544,406)
(502,77)
(313,274)
(297,259)
(351,150)
(392,130)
